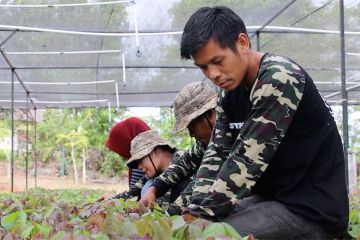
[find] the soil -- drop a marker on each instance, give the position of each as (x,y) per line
(48,177)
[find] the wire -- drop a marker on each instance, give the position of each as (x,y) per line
(299,20)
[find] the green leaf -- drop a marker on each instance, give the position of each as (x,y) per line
(58,236)
(354,216)
(9,221)
(355,231)
(101,236)
(193,232)
(230,231)
(177,222)
(26,232)
(144,228)
(160,231)
(214,229)
(44,229)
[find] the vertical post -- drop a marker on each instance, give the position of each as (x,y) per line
(257,41)
(109,111)
(344,92)
(35,155)
(117,96)
(138,53)
(12,132)
(63,161)
(27,141)
(123,68)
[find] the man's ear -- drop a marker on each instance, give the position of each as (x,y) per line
(242,41)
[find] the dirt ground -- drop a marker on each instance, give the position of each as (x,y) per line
(49,178)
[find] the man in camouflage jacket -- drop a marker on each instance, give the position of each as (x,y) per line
(281,172)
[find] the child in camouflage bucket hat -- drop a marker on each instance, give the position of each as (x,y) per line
(152,154)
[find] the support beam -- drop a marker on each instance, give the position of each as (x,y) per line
(13,70)
(344,93)
(12,133)
(27,143)
(273,18)
(34,149)
(6,39)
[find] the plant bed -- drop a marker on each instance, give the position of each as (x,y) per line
(75,214)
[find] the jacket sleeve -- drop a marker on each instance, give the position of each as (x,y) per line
(275,98)
(183,165)
(134,191)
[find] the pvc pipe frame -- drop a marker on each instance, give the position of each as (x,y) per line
(61,5)
(265,30)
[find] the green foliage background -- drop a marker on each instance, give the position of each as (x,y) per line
(88,129)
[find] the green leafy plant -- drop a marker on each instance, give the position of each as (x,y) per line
(65,214)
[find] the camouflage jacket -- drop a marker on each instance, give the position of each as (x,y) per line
(134,191)
(181,168)
(230,168)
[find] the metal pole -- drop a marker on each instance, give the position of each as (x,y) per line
(27,141)
(274,17)
(117,97)
(138,53)
(109,111)
(12,132)
(258,41)
(344,92)
(123,68)
(35,155)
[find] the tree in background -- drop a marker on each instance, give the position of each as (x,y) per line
(164,125)
(59,128)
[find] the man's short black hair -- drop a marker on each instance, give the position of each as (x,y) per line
(218,23)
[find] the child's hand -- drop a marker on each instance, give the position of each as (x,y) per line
(149,197)
(103,197)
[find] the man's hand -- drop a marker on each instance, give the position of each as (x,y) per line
(149,197)
(103,197)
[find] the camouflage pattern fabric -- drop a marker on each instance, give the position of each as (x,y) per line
(134,191)
(193,100)
(183,166)
(143,144)
(230,169)
(184,199)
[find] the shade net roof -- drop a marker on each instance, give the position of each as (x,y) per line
(126,53)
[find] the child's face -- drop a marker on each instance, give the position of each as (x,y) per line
(146,166)
(223,66)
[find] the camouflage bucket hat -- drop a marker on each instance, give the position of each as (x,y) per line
(143,144)
(192,101)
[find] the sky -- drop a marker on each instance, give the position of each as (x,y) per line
(144,111)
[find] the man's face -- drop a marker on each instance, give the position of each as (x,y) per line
(223,66)
(200,129)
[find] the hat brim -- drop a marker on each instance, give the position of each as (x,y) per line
(133,161)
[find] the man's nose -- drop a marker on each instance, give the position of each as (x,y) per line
(214,73)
